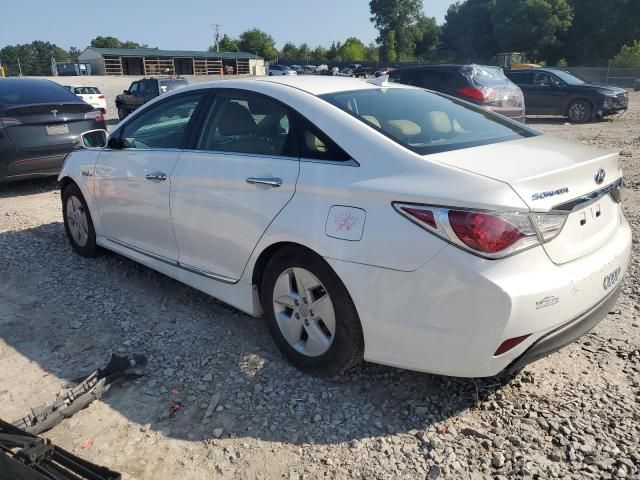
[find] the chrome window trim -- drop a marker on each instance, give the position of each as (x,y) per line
(347,163)
(589,198)
(173,263)
(241,154)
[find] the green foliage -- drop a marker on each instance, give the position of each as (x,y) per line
(226,44)
(400,17)
(629,56)
(74,52)
(258,42)
(388,48)
(531,26)
(372,53)
(113,42)
(562,63)
(319,53)
(426,34)
(35,58)
(352,50)
(468,31)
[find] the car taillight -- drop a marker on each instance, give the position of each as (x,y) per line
(94,115)
(101,97)
(510,344)
(489,234)
(476,93)
(7,122)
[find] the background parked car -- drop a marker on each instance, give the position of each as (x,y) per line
(358,70)
(482,85)
(91,95)
(40,122)
(275,70)
(549,91)
(309,69)
(384,71)
(141,91)
(298,69)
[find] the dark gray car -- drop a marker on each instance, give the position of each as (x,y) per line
(40,122)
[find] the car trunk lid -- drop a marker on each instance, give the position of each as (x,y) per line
(553,174)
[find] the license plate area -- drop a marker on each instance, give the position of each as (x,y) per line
(62,129)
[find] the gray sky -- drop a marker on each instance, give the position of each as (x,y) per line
(186,24)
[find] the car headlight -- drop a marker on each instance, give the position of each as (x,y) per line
(610,99)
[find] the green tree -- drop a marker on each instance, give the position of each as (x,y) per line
(468,31)
(334,51)
(398,16)
(352,50)
(319,53)
(427,35)
(289,51)
(629,56)
(35,58)
(113,42)
(74,53)
(258,42)
(304,51)
(388,48)
(600,29)
(532,26)
(226,44)
(372,53)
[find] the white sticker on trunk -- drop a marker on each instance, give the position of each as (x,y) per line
(346,223)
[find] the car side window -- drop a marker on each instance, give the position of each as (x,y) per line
(152,88)
(162,126)
(246,123)
(544,80)
(142,89)
(133,89)
(315,145)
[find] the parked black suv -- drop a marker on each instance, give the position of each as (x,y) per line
(549,91)
(479,84)
(141,91)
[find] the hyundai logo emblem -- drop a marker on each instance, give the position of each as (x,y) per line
(600,174)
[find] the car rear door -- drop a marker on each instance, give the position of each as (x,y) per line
(241,172)
(133,176)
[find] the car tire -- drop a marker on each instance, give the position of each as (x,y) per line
(580,111)
(323,342)
(78,224)
(121,112)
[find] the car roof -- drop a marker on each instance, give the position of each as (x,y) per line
(312,84)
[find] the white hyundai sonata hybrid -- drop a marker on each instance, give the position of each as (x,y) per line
(363,220)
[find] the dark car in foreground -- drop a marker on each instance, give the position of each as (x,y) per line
(479,84)
(40,122)
(142,91)
(550,91)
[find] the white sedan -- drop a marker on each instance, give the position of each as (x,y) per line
(91,95)
(363,220)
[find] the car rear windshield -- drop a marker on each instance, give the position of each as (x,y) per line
(168,85)
(488,76)
(426,122)
(87,91)
(27,91)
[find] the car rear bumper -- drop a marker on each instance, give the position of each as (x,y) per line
(450,316)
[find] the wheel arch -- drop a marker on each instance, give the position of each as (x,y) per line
(579,98)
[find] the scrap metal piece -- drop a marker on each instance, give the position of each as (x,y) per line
(45,417)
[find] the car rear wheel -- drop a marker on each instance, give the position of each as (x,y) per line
(121,112)
(580,111)
(310,314)
(77,222)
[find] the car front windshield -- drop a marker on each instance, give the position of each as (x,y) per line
(425,122)
(568,78)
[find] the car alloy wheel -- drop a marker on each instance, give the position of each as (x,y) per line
(304,312)
(77,221)
(579,112)
(121,112)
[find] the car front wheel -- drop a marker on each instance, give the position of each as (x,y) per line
(580,111)
(77,222)
(121,112)
(310,314)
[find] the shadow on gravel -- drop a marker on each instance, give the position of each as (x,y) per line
(28,187)
(216,367)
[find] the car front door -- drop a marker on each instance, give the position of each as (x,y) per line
(133,176)
(546,94)
(225,192)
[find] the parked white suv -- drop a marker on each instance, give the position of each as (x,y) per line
(275,70)
(91,95)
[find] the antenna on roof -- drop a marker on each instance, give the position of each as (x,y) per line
(382,81)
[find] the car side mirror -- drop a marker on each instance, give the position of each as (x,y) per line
(126,92)
(94,139)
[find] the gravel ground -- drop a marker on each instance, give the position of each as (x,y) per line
(245,413)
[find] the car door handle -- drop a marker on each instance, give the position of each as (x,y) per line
(156,176)
(271,181)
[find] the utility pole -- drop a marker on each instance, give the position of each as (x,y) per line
(216,35)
